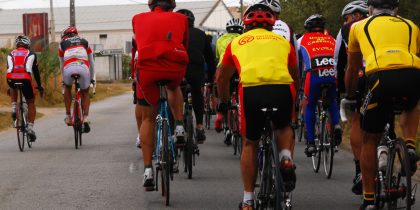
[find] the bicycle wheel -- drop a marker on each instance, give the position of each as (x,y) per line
(76,124)
(20,126)
(277,188)
(328,147)
(301,125)
(399,177)
(25,117)
(316,158)
(189,150)
(166,165)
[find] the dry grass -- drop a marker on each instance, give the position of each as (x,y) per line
(6,119)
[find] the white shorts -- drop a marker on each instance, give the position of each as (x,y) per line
(81,70)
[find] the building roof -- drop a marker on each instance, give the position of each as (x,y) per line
(97,18)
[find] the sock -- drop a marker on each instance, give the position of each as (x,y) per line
(30,125)
(368,198)
(285,153)
(147,166)
(179,122)
(410,143)
(248,196)
(357,164)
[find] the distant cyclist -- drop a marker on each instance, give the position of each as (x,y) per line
(76,57)
(200,53)
(162,39)
(234,28)
(390,46)
(316,51)
(352,12)
(266,64)
(21,65)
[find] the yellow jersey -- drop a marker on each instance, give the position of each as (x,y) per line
(386,42)
(261,58)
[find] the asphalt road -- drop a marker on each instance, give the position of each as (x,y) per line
(106,173)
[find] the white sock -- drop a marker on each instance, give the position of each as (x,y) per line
(30,125)
(285,153)
(14,106)
(248,196)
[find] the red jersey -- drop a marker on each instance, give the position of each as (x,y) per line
(161,39)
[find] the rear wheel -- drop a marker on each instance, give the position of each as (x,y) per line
(316,157)
(167,160)
(399,178)
(329,147)
(20,126)
(76,124)
(190,145)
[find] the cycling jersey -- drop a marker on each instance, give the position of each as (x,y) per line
(21,64)
(386,42)
(256,53)
(221,45)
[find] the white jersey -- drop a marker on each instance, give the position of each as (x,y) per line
(281,28)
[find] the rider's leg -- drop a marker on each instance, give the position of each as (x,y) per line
(409,122)
(196,80)
(176,101)
(369,165)
(249,167)
(85,102)
(67,98)
(310,118)
(147,132)
(31,110)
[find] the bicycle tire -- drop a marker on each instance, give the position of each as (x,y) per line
(316,159)
(76,124)
(328,147)
(20,124)
(265,175)
(301,125)
(190,144)
(398,169)
(278,180)
(166,162)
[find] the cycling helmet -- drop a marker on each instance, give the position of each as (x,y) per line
(165,4)
(273,4)
(23,40)
(383,4)
(189,15)
(259,15)
(235,25)
(70,31)
(313,22)
(354,6)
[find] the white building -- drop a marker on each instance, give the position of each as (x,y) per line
(109,27)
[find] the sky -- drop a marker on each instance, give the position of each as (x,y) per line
(19,4)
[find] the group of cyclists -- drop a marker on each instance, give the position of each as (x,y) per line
(373,60)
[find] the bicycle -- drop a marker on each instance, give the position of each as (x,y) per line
(164,155)
(393,185)
(325,144)
(300,105)
(208,110)
(190,150)
(21,118)
(234,131)
(77,114)
(270,192)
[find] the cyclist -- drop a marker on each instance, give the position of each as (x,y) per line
(76,57)
(161,39)
(21,64)
(234,27)
(393,70)
(316,51)
(199,53)
(352,12)
(134,56)
(266,64)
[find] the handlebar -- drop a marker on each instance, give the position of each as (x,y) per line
(343,104)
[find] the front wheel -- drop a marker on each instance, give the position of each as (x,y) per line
(20,127)
(329,148)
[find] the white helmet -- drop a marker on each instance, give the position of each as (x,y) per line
(23,40)
(235,23)
(354,6)
(273,4)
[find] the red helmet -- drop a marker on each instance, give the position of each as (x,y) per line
(68,31)
(259,15)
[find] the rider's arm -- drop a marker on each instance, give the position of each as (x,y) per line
(185,41)
(340,61)
(35,71)
(210,60)
(293,67)
(9,63)
(91,64)
(355,60)
(225,72)
(133,55)
(61,57)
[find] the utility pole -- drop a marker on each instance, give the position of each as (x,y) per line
(52,22)
(242,8)
(72,14)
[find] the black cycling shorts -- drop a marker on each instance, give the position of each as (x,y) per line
(27,89)
(385,90)
(253,99)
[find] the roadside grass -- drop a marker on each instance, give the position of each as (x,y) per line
(55,99)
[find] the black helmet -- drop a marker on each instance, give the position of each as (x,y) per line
(189,15)
(165,4)
(23,41)
(383,4)
(314,21)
